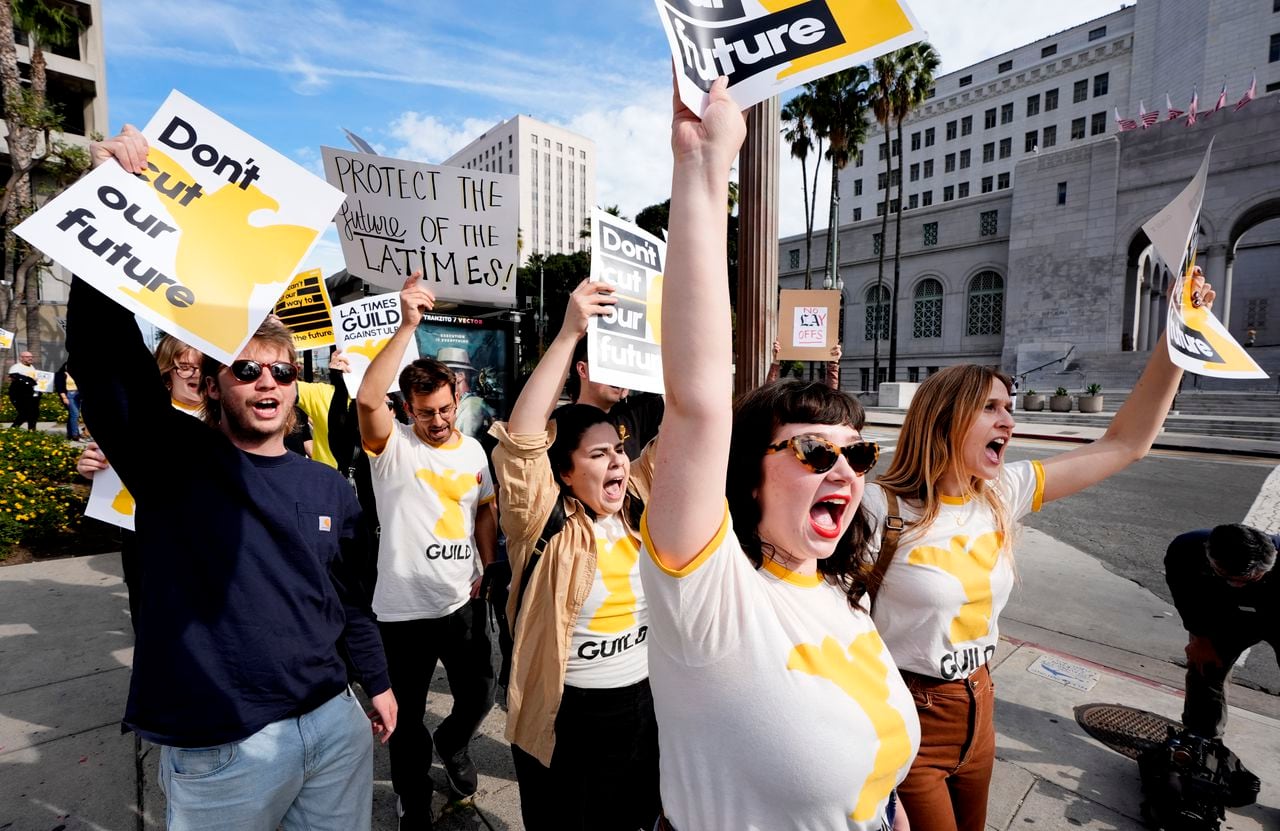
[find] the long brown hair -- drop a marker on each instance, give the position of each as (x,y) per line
(929,445)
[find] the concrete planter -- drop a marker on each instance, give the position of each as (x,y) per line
(1060,403)
(1033,403)
(1090,403)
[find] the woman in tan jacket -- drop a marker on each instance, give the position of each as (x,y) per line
(579,711)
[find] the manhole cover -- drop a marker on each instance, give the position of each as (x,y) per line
(1126,730)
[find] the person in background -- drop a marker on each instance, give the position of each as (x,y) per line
(638,415)
(65,386)
(22,391)
(832,372)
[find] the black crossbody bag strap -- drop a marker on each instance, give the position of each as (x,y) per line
(893,527)
(555,523)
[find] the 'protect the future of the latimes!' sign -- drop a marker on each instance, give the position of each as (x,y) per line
(455,225)
(204,242)
(766,47)
(624,346)
(1198,342)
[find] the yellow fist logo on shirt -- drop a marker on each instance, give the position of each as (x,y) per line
(615,561)
(450,487)
(971,564)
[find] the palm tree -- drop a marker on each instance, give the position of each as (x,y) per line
(797,131)
(840,117)
(886,70)
(916,65)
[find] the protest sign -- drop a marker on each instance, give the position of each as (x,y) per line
(766,47)
(44,381)
(362,328)
(306,311)
(204,242)
(808,324)
(1198,342)
(456,226)
(623,347)
(109,500)
(6,339)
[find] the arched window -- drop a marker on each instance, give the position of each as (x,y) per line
(926,322)
(877,312)
(986,304)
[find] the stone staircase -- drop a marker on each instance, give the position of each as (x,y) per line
(1119,371)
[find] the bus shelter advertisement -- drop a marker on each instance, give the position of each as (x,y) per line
(481,354)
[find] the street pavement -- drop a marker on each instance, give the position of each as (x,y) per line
(66,645)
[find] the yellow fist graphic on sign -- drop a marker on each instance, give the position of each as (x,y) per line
(862,675)
(617,612)
(123,503)
(450,487)
(971,564)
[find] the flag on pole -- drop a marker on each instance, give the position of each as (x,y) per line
(1191,108)
(1249,94)
(1147,118)
(1125,124)
(1219,104)
(1173,113)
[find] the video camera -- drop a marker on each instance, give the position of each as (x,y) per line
(1189,781)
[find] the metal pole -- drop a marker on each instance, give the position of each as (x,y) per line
(542,316)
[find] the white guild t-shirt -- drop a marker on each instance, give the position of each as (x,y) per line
(780,708)
(427,501)
(608,648)
(939,605)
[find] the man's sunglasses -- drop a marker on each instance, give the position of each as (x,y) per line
(283,371)
(820,455)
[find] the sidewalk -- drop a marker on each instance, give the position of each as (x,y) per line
(65,644)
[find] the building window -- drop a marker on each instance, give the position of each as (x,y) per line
(1097,34)
(988,223)
(881,179)
(988,184)
(857,160)
(948,193)
(793,257)
(884,150)
(913,201)
(897,147)
(1006,148)
(928,168)
(1050,137)
(1031,142)
(1005,66)
(1275,49)
(929,135)
(1077,128)
(989,119)
(877,240)
(857,214)
(986,305)
(951,130)
(1255,313)
(877,321)
(966,158)
(989,152)
(1049,51)
(930,233)
(1098,124)
(949,163)
(1062,193)
(879,209)
(926,199)
(915,140)
(546,144)
(1006,113)
(966,125)
(913,172)
(865,373)
(1050,100)
(1080,92)
(857,187)
(913,375)
(962,190)
(1033,104)
(965,80)
(926,319)
(1002,181)
(1101,83)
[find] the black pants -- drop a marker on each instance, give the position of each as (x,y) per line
(28,409)
(459,641)
(1205,710)
(604,771)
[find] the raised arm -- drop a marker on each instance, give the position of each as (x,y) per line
(1132,431)
(687,501)
(542,390)
(376,421)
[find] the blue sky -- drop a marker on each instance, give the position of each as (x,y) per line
(420,78)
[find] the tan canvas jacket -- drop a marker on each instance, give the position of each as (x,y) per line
(527,492)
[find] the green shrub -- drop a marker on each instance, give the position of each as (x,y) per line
(51,408)
(37,500)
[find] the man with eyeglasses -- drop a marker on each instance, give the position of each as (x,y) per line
(1224,587)
(22,391)
(249,627)
(435,502)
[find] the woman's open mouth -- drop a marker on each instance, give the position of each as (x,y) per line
(995,450)
(825,515)
(615,488)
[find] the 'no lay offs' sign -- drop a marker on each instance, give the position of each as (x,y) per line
(204,242)
(766,47)
(457,226)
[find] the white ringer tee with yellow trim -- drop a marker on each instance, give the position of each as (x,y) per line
(939,606)
(778,705)
(608,647)
(427,501)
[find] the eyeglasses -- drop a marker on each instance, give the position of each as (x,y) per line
(187,370)
(282,371)
(820,455)
(430,415)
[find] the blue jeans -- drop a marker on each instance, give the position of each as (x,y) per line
(73,415)
(313,772)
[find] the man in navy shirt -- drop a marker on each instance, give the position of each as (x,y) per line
(250,622)
(1226,590)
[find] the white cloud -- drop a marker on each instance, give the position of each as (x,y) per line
(429,139)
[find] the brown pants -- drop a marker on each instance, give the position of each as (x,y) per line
(946,788)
